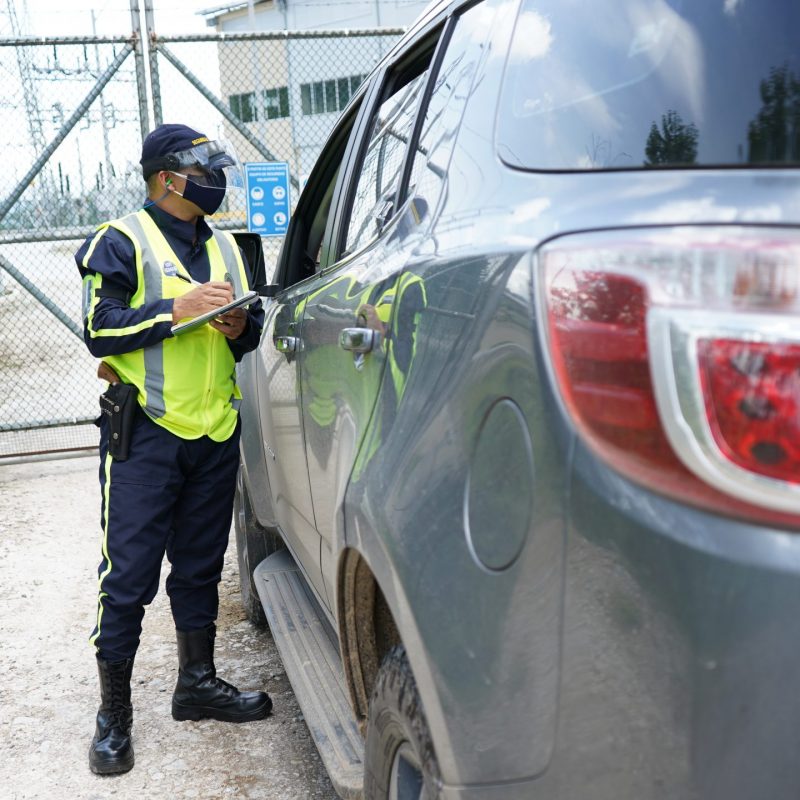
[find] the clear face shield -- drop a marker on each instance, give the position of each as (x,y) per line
(215,161)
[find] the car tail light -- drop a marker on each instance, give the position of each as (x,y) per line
(752,391)
(677,354)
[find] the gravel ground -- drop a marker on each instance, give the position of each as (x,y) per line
(49,551)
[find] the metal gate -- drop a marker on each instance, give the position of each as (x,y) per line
(73,116)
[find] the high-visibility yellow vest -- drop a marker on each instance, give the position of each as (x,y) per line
(187,383)
(386,307)
(388,300)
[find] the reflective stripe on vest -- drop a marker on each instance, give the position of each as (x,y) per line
(186,383)
(399,377)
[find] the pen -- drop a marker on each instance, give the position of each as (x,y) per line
(188,280)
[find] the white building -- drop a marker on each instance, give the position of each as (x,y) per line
(290,92)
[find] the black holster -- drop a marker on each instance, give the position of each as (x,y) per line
(118,403)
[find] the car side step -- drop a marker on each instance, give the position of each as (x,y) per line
(311,658)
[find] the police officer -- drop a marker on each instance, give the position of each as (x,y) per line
(174,491)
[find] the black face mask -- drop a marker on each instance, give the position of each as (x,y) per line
(209,194)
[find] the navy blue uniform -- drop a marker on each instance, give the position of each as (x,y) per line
(171,495)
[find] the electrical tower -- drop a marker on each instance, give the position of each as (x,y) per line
(26,74)
(20,26)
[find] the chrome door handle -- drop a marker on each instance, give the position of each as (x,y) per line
(359,340)
(286,344)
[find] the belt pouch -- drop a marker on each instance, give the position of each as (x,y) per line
(119,404)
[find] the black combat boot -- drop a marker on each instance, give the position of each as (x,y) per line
(200,694)
(111,751)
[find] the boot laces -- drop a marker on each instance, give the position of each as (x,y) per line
(117,712)
(226,687)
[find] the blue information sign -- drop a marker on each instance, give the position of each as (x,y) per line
(267,185)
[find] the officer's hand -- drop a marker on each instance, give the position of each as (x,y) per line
(368,318)
(232,324)
(201,299)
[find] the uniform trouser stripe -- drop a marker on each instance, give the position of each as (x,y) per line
(171,496)
(104,547)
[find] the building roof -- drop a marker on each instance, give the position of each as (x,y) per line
(227,8)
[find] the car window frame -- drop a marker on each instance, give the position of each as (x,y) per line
(383,86)
(349,126)
(347,180)
(442,45)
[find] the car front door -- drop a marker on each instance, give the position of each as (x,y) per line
(281,426)
(298,276)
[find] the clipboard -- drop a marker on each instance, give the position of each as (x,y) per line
(196,322)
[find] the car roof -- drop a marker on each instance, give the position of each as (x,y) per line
(434,9)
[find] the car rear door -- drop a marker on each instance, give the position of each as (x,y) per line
(348,314)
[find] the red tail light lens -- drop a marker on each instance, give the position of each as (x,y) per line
(671,353)
(752,396)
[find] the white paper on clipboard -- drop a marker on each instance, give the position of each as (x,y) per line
(191,324)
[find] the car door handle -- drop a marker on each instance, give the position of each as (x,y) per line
(286,344)
(359,340)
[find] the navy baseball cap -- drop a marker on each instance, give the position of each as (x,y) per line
(167,140)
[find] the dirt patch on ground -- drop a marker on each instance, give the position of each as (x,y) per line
(49,551)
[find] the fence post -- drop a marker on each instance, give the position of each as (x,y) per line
(141,78)
(155,82)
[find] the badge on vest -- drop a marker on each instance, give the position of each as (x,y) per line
(170,269)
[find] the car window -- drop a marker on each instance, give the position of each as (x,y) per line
(449,93)
(380,173)
(652,83)
(304,249)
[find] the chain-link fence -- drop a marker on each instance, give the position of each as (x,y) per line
(72,118)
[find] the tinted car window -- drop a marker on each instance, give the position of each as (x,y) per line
(305,249)
(449,93)
(616,84)
(381,170)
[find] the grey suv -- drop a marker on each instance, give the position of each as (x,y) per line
(520,482)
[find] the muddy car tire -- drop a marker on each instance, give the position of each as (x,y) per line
(399,758)
(253,544)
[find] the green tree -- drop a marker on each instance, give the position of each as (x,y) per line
(674,143)
(774,135)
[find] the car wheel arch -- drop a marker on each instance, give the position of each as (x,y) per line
(367,630)
(364,650)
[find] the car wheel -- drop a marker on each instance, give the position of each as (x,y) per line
(400,763)
(253,544)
